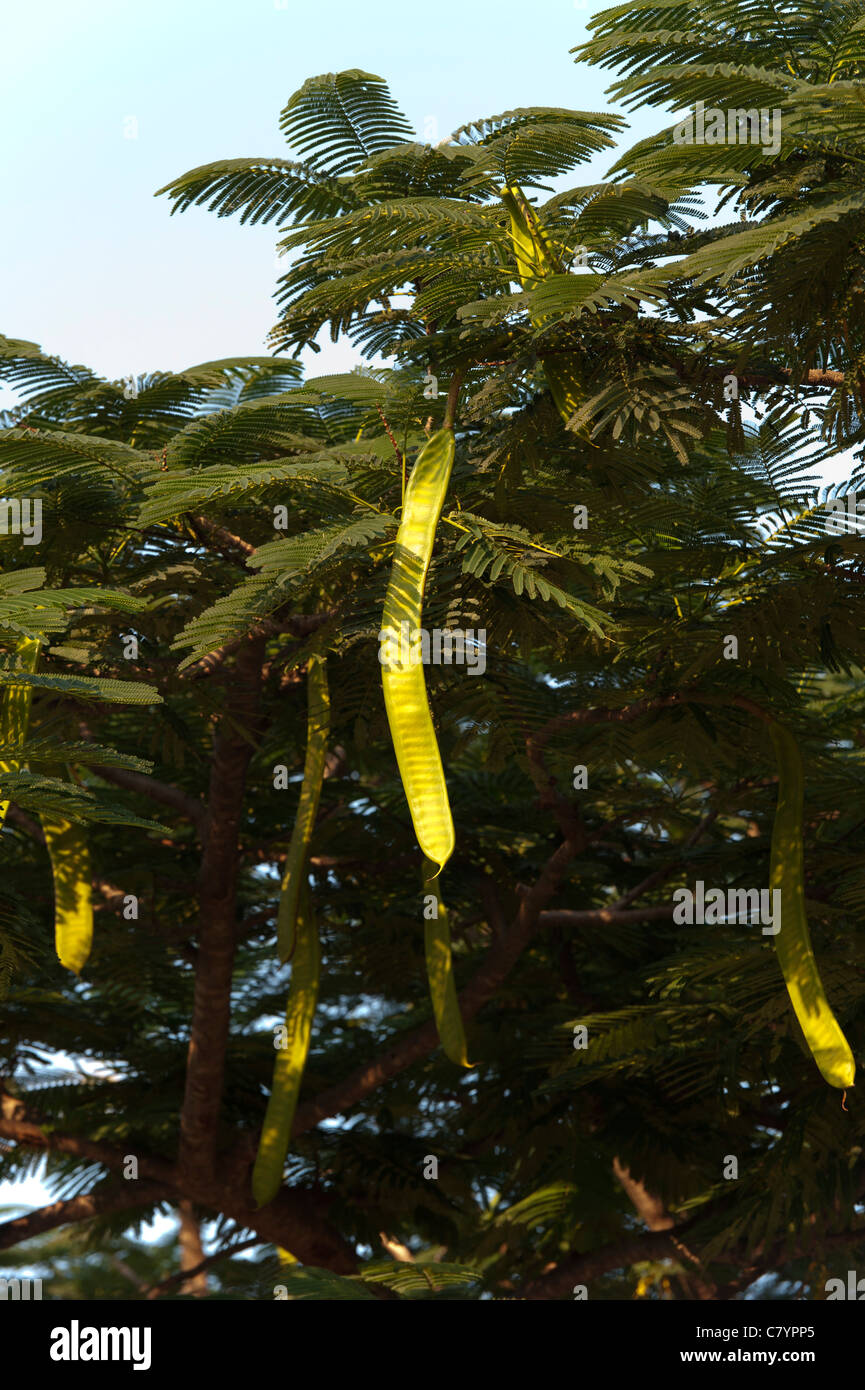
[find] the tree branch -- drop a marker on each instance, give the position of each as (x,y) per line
(649,1208)
(217,902)
(156,1289)
(223,541)
(582,1269)
(189,806)
(499,960)
(604,916)
(15,1125)
(297,625)
(81,1208)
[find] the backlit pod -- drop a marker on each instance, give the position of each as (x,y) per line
(829,1047)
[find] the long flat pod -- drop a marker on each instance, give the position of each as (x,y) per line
(829,1047)
(535,262)
(73,909)
(291,1058)
(405,694)
(317,732)
(443,991)
(15,712)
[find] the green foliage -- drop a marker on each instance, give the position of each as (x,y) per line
(705,520)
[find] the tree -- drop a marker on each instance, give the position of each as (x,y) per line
(635,549)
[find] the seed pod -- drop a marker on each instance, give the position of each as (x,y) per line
(317,732)
(437,944)
(829,1047)
(405,695)
(536,260)
(15,712)
(411,725)
(290,1060)
(66,843)
(73,910)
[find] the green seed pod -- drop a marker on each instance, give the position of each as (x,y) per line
(290,1060)
(15,713)
(317,733)
(437,944)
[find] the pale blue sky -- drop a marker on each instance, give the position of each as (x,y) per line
(96,270)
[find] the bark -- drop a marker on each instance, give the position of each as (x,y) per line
(217,903)
(191,1251)
(649,1208)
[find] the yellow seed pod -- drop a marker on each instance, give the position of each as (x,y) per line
(829,1047)
(536,261)
(405,694)
(73,909)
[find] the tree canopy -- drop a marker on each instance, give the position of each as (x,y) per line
(641,399)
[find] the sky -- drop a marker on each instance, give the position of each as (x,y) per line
(110,100)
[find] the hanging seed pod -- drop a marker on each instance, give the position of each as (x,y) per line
(317,733)
(443,992)
(73,909)
(536,261)
(291,1058)
(409,717)
(829,1047)
(15,712)
(405,693)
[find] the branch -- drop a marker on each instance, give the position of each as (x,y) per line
(649,1208)
(605,916)
(388,431)
(81,1208)
(582,1269)
(224,541)
(156,1289)
(217,904)
(453,396)
(298,625)
(659,1245)
(625,714)
(498,962)
(194,1278)
(296,1219)
(14,1125)
(189,806)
